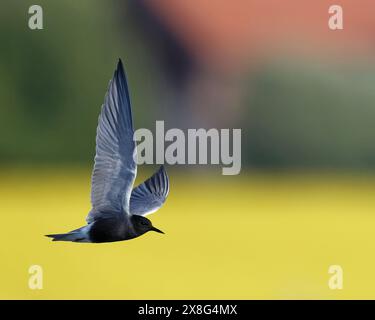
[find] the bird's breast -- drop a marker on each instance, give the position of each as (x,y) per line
(109,230)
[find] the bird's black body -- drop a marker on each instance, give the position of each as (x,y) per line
(109,230)
(112,229)
(118,210)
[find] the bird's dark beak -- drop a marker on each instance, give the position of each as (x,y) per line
(156,230)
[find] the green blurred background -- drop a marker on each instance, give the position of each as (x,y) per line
(301,93)
(296,109)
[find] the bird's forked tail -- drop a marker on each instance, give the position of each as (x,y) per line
(79,235)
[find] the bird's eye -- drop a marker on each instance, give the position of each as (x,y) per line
(144,223)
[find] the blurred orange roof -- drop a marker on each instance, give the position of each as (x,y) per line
(230,33)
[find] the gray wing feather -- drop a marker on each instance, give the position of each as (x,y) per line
(115,168)
(151,194)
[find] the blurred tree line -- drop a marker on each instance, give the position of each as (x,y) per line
(53,81)
(312,115)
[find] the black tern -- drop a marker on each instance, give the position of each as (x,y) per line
(118,211)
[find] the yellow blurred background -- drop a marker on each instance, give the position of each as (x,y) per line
(256,236)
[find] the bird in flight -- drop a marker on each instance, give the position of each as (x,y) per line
(118,211)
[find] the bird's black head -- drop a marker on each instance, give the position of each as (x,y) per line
(143,225)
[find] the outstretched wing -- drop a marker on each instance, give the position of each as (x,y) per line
(115,167)
(151,194)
